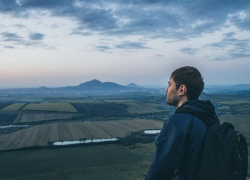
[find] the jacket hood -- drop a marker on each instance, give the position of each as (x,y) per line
(202,109)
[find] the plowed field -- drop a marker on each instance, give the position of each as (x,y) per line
(40,135)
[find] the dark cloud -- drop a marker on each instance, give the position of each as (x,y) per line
(230,34)
(231,55)
(238,44)
(103,48)
(34,40)
(131,45)
(171,19)
(55,26)
(77,32)
(190,51)
(49,4)
(239,55)
(235,48)
(36,36)
(20,26)
(9,47)
(220,58)
(11,37)
(241,20)
(93,19)
(29,43)
(34,44)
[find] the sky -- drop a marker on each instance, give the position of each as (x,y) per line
(56,43)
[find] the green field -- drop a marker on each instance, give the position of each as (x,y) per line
(241,123)
(100,108)
(13,107)
(50,106)
(45,117)
(232,102)
(96,162)
(86,101)
(135,107)
(6,119)
(100,120)
(4,105)
(40,135)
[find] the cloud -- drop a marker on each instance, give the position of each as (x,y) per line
(241,20)
(77,32)
(33,40)
(103,48)
(239,55)
(231,55)
(229,34)
(235,48)
(238,44)
(90,19)
(11,37)
(36,36)
(20,26)
(190,51)
(131,45)
(55,26)
(9,47)
(172,19)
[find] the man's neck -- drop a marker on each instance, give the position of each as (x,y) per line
(183,99)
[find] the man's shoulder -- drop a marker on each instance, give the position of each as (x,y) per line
(185,120)
(184,117)
(179,121)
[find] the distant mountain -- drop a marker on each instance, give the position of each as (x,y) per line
(133,85)
(204,96)
(96,85)
(93,87)
(93,82)
(241,86)
(42,87)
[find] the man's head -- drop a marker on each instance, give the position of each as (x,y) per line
(186,83)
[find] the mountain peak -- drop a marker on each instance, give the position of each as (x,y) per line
(92,82)
(96,85)
(132,85)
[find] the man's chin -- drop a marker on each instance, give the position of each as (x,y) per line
(170,103)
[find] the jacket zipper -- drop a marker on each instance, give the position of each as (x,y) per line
(238,135)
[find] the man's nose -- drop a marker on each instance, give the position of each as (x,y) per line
(166,90)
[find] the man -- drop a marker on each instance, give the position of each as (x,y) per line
(179,143)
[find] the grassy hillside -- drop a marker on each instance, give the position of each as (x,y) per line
(89,162)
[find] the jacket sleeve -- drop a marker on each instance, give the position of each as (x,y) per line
(170,144)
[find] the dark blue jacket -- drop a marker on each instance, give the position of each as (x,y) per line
(180,141)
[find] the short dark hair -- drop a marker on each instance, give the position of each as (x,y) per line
(191,78)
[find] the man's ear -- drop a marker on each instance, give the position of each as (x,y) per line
(182,90)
